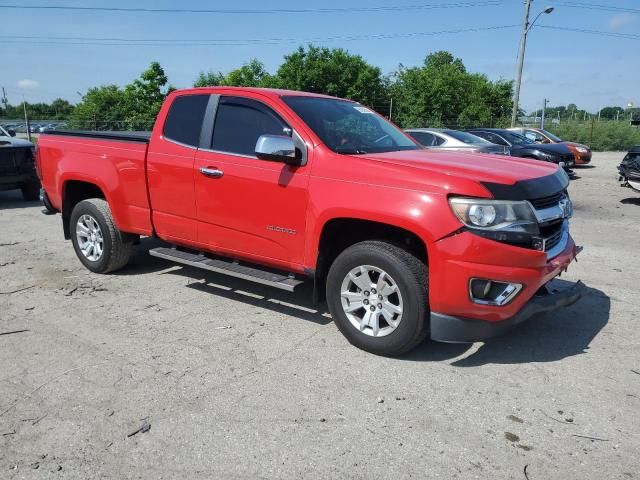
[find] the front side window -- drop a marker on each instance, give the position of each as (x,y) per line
(184,120)
(425,138)
(347,127)
(552,137)
(240,122)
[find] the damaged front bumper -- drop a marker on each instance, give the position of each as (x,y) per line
(450,329)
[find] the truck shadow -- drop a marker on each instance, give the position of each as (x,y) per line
(10,199)
(298,304)
(545,338)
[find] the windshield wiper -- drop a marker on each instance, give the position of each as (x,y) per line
(349,151)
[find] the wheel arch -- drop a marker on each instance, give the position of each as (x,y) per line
(339,233)
(73,192)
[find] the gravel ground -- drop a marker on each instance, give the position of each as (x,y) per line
(236,380)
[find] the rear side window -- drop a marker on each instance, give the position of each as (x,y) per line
(184,120)
(240,122)
(425,138)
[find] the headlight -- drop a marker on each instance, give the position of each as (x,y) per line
(582,149)
(495,215)
(547,156)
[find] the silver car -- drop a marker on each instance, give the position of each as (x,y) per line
(448,139)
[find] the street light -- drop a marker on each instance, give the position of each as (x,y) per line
(526,26)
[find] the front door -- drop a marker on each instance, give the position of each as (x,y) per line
(247,207)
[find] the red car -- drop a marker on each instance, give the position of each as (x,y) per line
(581,152)
(279,187)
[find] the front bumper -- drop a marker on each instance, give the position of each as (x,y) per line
(463,256)
(446,328)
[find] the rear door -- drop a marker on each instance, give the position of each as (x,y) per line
(248,207)
(170,169)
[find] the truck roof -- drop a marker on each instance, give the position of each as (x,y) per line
(272,92)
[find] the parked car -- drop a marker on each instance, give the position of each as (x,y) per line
(521,146)
(454,140)
(279,187)
(629,169)
(17,167)
(582,153)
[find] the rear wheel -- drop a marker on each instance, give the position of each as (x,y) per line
(98,243)
(377,295)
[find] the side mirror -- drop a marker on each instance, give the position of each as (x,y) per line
(278,148)
(11,133)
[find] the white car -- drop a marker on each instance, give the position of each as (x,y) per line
(448,139)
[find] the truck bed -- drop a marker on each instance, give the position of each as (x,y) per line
(105,135)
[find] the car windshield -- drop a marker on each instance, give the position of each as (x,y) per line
(466,137)
(348,127)
(515,138)
(552,136)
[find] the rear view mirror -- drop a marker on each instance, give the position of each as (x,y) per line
(11,133)
(278,148)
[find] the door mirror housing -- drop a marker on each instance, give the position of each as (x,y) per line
(11,133)
(278,148)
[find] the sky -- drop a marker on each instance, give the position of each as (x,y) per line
(589,70)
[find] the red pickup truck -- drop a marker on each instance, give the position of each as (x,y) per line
(279,186)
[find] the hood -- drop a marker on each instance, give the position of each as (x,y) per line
(14,142)
(575,144)
(466,165)
(554,148)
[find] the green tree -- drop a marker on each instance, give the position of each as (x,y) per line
(333,72)
(442,93)
(144,97)
(101,108)
(209,79)
(133,107)
(252,74)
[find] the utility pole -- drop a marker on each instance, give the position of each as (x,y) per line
(390,109)
(526,26)
(523,46)
(26,118)
(544,108)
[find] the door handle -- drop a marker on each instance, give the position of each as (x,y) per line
(211,172)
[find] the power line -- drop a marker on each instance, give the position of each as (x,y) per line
(269,11)
(628,36)
(595,6)
(229,42)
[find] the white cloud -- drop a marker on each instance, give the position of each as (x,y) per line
(620,21)
(27,83)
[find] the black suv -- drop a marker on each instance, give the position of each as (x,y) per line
(521,146)
(17,166)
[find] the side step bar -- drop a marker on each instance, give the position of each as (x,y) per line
(228,267)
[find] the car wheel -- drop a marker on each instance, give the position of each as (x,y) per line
(377,296)
(31,192)
(98,243)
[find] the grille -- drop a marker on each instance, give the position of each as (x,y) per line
(554,237)
(546,202)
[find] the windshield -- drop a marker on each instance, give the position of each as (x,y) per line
(516,139)
(348,127)
(466,137)
(552,137)
(3,132)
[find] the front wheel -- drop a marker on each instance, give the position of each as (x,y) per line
(377,295)
(98,243)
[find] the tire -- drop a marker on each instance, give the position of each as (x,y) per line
(402,269)
(116,246)
(31,192)
(48,208)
